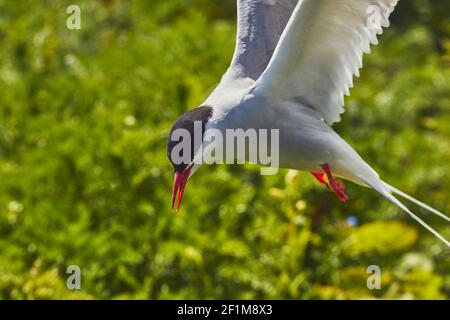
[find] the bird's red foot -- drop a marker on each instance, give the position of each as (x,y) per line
(337,186)
(320,176)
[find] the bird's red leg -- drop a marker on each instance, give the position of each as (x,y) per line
(337,186)
(320,176)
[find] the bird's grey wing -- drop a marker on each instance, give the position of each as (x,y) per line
(321,50)
(260,25)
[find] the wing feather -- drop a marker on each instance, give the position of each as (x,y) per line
(322,49)
(260,25)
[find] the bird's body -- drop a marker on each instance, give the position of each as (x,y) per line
(294,62)
(305,142)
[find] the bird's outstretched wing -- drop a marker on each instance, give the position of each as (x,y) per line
(260,25)
(322,49)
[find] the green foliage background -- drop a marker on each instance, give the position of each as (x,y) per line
(84,179)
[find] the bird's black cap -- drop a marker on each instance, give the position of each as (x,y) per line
(186,121)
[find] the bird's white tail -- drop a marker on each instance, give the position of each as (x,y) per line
(387,191)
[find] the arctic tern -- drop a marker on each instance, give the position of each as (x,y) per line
(293,63)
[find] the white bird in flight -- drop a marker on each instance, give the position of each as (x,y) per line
(293,63)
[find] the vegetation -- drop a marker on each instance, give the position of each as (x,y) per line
(84,178)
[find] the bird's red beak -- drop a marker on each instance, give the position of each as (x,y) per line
(178,186)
